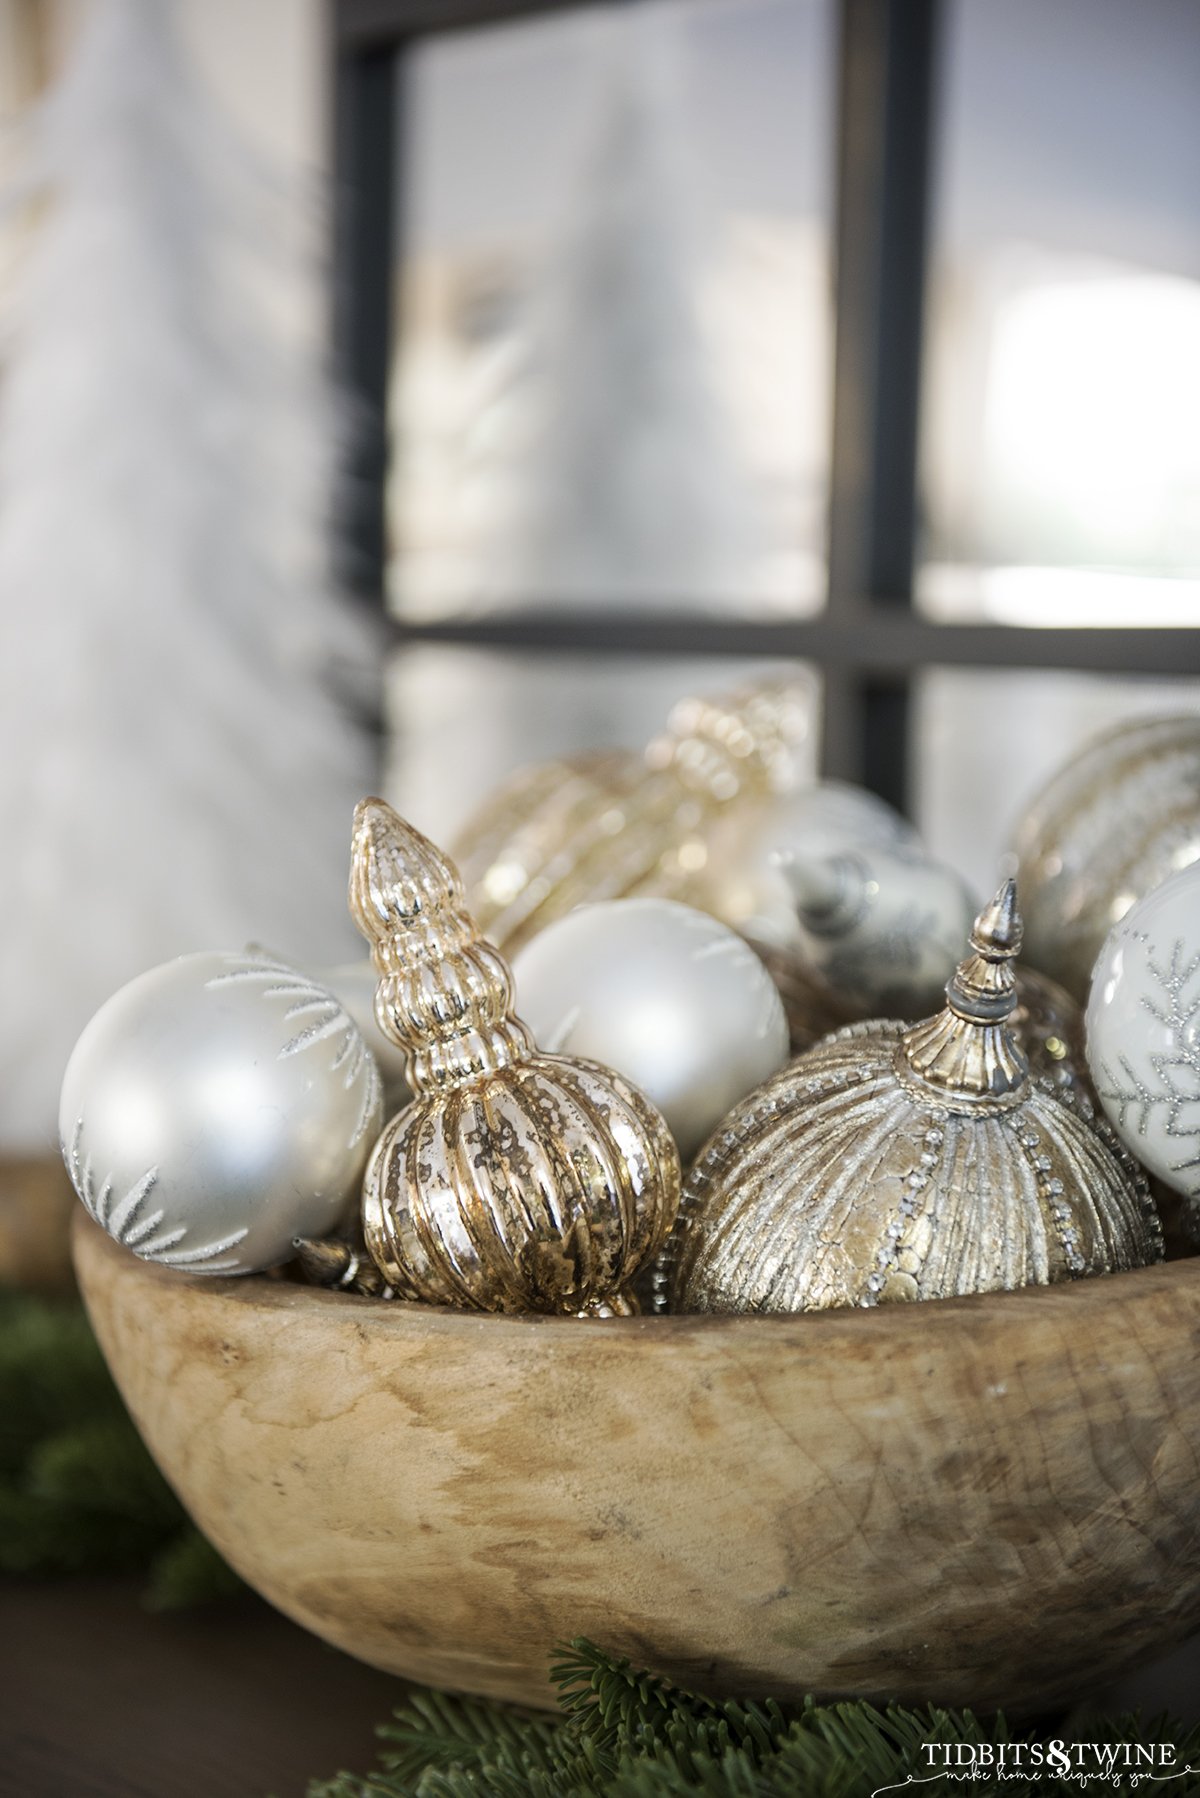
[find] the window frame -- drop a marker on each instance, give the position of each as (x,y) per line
(868,643)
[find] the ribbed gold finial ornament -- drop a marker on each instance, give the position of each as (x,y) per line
(616,823)
(515,1181)
(899,1162)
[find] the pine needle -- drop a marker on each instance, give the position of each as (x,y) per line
(622,1733)
(79,1492)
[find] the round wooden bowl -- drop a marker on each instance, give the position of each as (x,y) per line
(987,1502)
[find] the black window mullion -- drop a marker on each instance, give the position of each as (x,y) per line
(887,56)
(365,212)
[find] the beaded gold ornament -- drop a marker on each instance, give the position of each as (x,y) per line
(515,1181)
(897,1162)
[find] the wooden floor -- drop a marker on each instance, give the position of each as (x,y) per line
(98,1699)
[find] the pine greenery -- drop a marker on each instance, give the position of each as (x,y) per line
(624,1734)
(79,1493)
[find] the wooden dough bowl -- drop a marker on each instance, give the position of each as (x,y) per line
(989,1502)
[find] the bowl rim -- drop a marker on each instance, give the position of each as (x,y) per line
(898,1322)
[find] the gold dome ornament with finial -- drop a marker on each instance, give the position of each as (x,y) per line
(514,1181)
(900,1162)
(614,824)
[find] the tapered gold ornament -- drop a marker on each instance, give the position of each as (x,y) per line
(515,1181)
(615,823)
(898,1162)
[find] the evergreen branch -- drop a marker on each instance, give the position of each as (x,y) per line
(79,1491)
(621,1733)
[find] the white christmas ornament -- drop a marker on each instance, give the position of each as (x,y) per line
(667,996)
(217,1107)
(1143,1030)
(355,984)
(883,928)
(744,883)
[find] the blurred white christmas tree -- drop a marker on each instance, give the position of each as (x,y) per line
(174,771)
(605,470)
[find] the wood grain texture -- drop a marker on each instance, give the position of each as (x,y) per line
(986,1501)
(103,1699)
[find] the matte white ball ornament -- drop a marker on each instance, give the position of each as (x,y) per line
(669,997)
(1143,1030)
(217,1107)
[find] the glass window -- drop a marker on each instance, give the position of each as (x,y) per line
(613,312)
(1060,459)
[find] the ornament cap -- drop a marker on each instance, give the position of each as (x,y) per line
(829,891)
(998,929)
(969,1049)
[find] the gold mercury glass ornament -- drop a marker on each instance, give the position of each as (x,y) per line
(613,824)
(897,1162)
(515,1181)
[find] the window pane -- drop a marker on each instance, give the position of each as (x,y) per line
(614,313)
(1061,464)
(985,743)
(462,719)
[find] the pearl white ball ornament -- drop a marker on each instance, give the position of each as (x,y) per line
(1143,1030)
(670,998)
(217,1107)
(354,983)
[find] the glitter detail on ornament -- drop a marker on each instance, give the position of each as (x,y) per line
(125,1223)
(996,1180)
(330,1022)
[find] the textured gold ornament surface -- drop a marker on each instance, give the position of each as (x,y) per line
(515,1181)
(615,823)
(1111,825)
(899,1162)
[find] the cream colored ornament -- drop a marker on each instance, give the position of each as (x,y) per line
(672,999)
(515,1181)
(612,824)
(1115,821)
(1143,1031)
(899,1162)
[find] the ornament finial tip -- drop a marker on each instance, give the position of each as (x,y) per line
(998,928)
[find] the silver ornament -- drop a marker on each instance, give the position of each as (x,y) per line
(217,1107)
(743,882)
(1143,1031)
(883,929)
(669,997)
